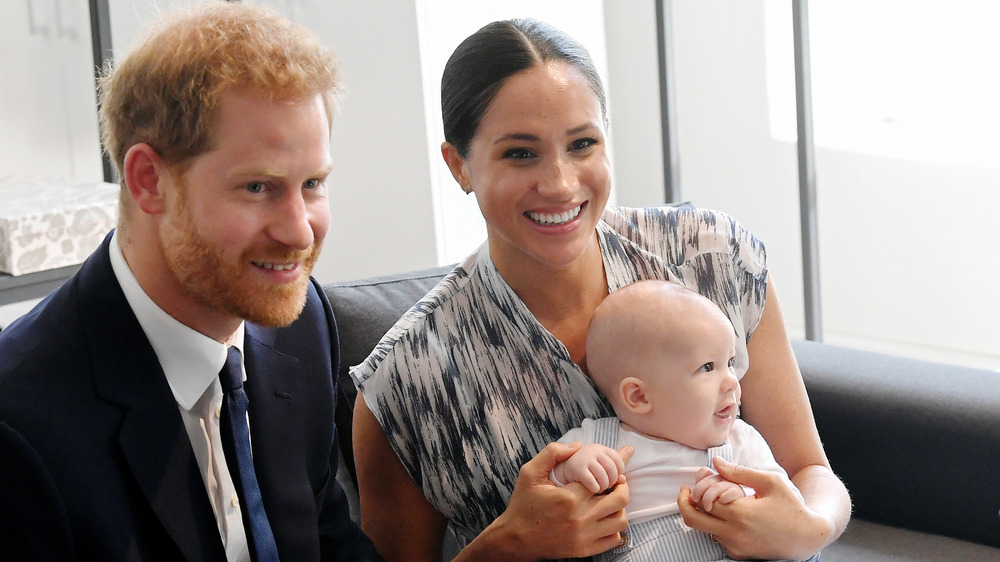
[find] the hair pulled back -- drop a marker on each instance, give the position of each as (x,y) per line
(479,66)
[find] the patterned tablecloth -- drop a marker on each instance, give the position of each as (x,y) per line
(50,222)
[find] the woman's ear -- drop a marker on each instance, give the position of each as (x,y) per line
(632,392)
(144,170)
(457,165)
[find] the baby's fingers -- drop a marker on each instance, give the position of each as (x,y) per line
(709,497)
(591,480)
(611,470)
(731,494)
(703,485)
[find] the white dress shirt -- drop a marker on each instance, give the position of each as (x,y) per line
(191,362)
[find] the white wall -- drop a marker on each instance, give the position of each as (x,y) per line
(394,205)
(48,124)
(382,219)
(633,85)
(906,247)
(382,214)
(728,159)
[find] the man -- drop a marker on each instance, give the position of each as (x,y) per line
(117,435)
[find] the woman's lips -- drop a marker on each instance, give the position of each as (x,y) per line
(555,219)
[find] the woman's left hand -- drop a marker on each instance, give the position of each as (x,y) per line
(774,523)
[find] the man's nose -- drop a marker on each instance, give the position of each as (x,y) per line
(291,225)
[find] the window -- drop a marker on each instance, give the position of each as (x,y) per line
(908,174)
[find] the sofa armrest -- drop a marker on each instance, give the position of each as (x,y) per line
(916,443)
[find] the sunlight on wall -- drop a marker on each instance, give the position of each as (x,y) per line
(897,78)
(908,175)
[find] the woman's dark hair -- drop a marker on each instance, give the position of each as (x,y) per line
(480,65)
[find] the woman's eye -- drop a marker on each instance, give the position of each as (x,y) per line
(256,187)
(518,154)
(707,367)
(582,144)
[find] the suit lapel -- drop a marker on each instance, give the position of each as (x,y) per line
(278,434)
(152,436)
(272,384)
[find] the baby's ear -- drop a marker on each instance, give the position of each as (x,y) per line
(633,395)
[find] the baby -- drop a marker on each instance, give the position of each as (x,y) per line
(664,355)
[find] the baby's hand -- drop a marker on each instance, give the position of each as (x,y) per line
(712,488)
(597,467)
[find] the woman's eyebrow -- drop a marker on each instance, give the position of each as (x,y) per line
(516,136)
(534,138)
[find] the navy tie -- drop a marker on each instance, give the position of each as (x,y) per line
(236,443)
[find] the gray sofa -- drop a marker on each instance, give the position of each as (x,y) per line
(917,443)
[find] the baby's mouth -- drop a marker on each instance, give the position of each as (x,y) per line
(728,413)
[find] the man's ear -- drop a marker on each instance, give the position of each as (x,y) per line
(457,165)
(144,171)
(632,392)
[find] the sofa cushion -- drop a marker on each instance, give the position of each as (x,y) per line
(915,442)
(365,309)
(875,542)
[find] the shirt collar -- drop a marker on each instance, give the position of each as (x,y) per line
(190,359)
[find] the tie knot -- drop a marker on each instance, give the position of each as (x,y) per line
(231,376)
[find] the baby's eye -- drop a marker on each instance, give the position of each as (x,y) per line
(731,363)
(256,187)
(518,154)
(707,367)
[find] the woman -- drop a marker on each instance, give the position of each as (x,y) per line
(462,399)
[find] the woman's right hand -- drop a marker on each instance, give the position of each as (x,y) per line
(543,520)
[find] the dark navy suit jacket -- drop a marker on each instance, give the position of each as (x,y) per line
(95,463)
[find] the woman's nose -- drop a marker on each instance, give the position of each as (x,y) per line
(561,181)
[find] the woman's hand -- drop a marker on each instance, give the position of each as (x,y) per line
(774,523)
(543,520)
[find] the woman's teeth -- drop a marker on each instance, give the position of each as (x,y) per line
(557,219)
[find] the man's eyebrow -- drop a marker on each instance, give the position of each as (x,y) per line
(273,173)
(257,172)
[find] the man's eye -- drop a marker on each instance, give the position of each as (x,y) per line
(518,154)
(311,184)
(707,367)
(256,187)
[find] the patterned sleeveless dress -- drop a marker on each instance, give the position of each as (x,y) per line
(468,385)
